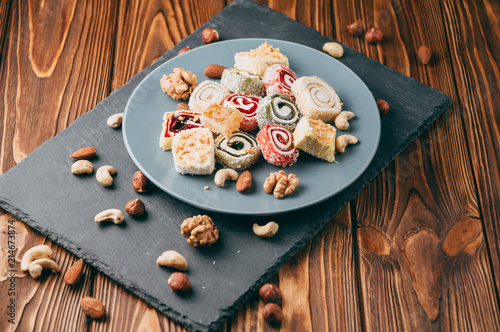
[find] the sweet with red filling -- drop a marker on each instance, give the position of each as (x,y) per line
(279,79)
(174,123)
(247,105)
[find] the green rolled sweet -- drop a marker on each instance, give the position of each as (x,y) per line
(278,110)
(238,152)
(242,82)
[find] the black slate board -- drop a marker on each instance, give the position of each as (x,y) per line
(43,193)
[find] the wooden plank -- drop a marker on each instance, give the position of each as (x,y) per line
(417,207)
(146,30)
(48,77)
(4,17)
(474,41)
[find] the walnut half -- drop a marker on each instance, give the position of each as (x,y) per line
(200,231)
(179,84)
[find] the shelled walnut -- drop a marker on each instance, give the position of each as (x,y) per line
(200,231)
(179,84)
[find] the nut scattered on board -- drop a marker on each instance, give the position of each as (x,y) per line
(92,307)
(82,167)
(172,258)
(268,230)
(343,141)
(272,313)
(37,266)
(209,35)
(244,182)
(342,120)
(214,71)
(280,185)
(135,207)
(114,215)
(84,153)
(104,175)
(270,292)
(424,54)
(225,174)
(184,50)
(37,252)
(374,35)
(182,107)
(179,84)
(73,274)
(334,49)
(140,182)
(383,106)
(356,28)
(115,120)
(200,231)
(179,282)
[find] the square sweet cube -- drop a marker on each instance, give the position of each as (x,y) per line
(175,122)
(193,151)
(222,120)
(316,138)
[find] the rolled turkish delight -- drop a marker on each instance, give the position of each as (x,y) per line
(279,79)
(276,145)
(240,81)
(247,105)
(238,152)
(206,93)
(277,109)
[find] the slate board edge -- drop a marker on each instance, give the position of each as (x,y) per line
(228,312)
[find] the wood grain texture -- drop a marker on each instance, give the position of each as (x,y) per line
(4,16)
(146,30)
(474,41)
(417,203)
(56,67)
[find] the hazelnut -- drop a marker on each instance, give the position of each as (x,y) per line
(424,54)
(209,35)
(139,182)
(179,282)
(182,107)
(383,106)
(184,50)
(373,35)
(135,207)
(272,313)
(356,29)
(270,293)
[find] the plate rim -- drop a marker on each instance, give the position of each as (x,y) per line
(249,213)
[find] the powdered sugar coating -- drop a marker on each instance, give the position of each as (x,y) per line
(276,145)
(279,79)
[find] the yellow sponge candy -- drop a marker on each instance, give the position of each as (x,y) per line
(316,138)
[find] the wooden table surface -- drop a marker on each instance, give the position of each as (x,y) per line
(418,249)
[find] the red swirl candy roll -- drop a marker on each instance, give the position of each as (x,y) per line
(247,105)
(279,79)
(276,145)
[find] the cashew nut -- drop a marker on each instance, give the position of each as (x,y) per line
(115,120)
(173,259)
(113,215)
(37,252)
(342,141)
(81,167)
(268,230)
(38,265)
(224,174)
(341,120)
(334,49)
(103,175)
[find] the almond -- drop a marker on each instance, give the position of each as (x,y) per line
(184,50)
(73,274)
(92,307)
(214,71)
(84,153)
(182,107)
(244,182)
(424,54)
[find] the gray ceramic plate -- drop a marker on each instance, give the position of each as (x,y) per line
(319,179)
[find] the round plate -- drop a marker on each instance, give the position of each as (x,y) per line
(319,180)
